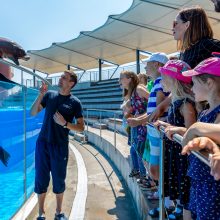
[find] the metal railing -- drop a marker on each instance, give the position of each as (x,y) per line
(93,76)
(98,120)
(176,137)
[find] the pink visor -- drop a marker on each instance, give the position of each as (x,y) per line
(174,69)
(208,66)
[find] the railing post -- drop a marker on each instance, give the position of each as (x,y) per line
(87,120)
(100,130)
(115,131)
(25,139)
(161,180)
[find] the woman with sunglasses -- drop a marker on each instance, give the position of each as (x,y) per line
(194,35)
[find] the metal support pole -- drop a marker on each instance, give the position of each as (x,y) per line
(87,120)
(100,70)
(22,78)
(114,131)
(100,130)
(138,61)
(161,180)
(34,79)
(25,139)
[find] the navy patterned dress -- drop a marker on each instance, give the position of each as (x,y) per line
(204,191)
(139,133)
(176,181)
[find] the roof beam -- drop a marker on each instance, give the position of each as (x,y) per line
(75,51)
(54,60)
(139,25)
(107,41)
(110,62)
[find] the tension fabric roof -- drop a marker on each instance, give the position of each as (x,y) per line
(145,26)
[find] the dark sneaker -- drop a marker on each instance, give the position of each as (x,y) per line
(60,216)
(41,218)
(134,173)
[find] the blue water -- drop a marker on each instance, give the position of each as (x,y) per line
(12,139)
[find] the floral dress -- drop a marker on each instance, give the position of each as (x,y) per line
(204,190)
(176,181)
(139,106)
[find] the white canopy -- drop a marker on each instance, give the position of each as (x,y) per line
(145,26)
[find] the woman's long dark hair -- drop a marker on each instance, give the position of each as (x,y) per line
(198,29)
(132,85)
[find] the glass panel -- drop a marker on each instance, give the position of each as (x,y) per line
(12,140)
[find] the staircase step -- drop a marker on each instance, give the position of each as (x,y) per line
(100,125)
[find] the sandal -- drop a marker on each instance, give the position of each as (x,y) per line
(134,173)
(41,218)
(144,179)
(177,214)
(153,196)
(155,213)
(148,186)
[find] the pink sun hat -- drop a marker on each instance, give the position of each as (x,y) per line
(208,66)
(174,69)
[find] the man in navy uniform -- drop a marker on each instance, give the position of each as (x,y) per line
(51,153)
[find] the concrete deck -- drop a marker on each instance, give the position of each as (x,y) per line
(119,154)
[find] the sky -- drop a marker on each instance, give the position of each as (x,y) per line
(36,24)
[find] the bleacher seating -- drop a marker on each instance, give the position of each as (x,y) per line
(105,94)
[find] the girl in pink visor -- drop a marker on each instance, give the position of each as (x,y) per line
(181,113)
(205,190)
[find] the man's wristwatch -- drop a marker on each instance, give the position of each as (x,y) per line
(65,125)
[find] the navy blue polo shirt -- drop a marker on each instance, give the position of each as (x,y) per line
(68,106)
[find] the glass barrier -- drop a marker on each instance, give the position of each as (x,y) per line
(18,133)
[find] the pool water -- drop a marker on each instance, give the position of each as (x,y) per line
(13,137)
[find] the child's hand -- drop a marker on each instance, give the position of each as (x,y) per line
(159,123)
(133,122)
(215,165)
(128,115)
(171,130)
(200,143)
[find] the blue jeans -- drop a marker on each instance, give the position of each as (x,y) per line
(137,161)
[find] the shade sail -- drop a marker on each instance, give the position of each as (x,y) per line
(146,26)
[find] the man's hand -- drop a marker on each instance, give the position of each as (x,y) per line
(59,119)
(43,88)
